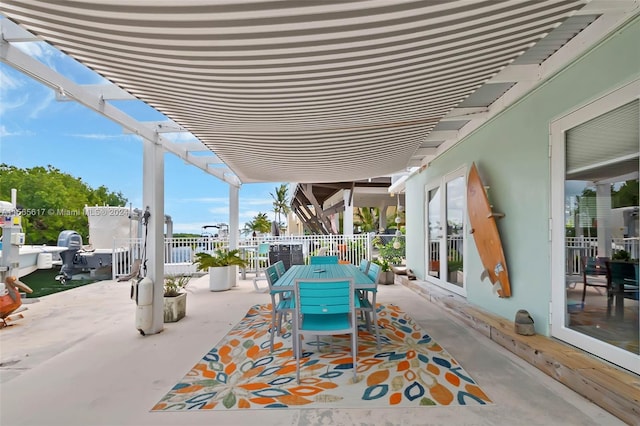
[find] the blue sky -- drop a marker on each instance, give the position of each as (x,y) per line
(37,130)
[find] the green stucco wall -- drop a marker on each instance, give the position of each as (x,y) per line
(511,152)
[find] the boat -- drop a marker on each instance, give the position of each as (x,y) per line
(34,257)
(30,257)
(95,260)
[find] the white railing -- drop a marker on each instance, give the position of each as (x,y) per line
(576,247)
(179,252)
(454,249)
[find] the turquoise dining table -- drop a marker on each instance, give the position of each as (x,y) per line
(287,281)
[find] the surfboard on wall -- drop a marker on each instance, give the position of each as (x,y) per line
(485,234)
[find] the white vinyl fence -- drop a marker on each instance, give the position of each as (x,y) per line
(179,252)
(576,247)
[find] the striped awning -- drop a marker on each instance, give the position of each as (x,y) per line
(298,91)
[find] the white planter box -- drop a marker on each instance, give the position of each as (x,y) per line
(175,308)
(220,278)
(386,277)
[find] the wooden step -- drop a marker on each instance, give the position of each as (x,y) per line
(614,389)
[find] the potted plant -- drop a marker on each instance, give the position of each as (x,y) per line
(222,267)
(454,267)
(393,251)
(390,254)
(175,298)
(622,255)
(386,273)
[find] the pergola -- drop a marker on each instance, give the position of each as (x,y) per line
(303,91)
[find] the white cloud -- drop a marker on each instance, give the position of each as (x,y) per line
(258,202)
(9,82)
(188,227)
(4,132)
(12,94)
(41,51)
(32,48)
(247,215)
(205,200)
(11,104)
(219,210)
(42,105)
(180,137)
(100,136)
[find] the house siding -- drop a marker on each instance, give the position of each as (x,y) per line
(511,152)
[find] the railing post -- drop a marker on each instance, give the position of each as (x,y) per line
(113,260)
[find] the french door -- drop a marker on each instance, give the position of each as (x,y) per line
(445,231)
(594,201)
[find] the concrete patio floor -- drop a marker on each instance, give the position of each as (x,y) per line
(77,359)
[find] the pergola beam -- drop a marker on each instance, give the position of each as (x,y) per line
(19,60)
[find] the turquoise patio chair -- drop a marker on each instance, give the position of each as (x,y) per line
(373,272)
(367,302)
(281,305)
(324,307)
(280,268)
(323,260)
(364,266)
(594,273)
(262,257)
(262,261)
(622,278)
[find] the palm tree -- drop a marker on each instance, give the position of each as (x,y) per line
(260,223)
(366,218)
(391,219)
(281,202)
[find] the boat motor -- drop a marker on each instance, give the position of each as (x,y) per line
(73,241)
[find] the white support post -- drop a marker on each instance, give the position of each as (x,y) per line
(153,198)
(234,216)
(347,220)
(603,215)
(383,216)
(335,222)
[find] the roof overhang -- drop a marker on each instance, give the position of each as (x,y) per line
(322,92)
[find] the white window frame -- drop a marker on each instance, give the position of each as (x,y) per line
(558,128)
(443,281)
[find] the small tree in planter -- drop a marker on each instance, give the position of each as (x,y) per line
(175,298)
(393,251)
(386,274)
(390,254)
(222,267)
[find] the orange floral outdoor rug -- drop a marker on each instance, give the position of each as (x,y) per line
(410,370)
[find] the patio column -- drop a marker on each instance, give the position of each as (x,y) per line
(603,216)
(347,220)
(383,216)
(169,223)
(234,216)
(153,200)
